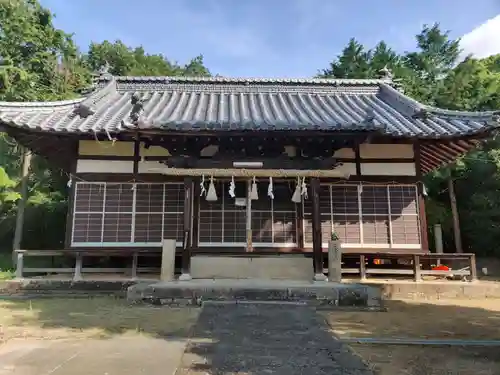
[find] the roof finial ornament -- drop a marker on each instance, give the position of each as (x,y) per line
(386,73)
(496,116)
(104,71)
(137,110)
(370,116)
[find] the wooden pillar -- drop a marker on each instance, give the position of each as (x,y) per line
(423,218)
(21,204)
(424,237)
(137,155)
(357,157)
(71,198)
(186,240)
(316,232)
(195,214)
(249,216)
(299,225)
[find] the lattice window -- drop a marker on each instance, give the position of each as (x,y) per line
(173,211)
(345,212)
(149,209)
(339,212)
(88,212)
(222,221)
(108,214)
(284,218)
(118,213)
(375,214)
(366,215)
(273,221)
(325,209)
(404,214)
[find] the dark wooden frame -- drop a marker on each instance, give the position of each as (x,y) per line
(62,150)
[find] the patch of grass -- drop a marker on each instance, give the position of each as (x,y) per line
(423,360)
(6,267)
(6,275)
(438,319)
(102,317)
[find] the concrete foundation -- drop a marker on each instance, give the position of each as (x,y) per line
(196,292)
(266,268)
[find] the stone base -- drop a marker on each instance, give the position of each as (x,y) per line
(320,277)
(266,268)
(195,292)
(185,277)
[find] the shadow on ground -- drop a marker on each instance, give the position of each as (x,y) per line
(282,339)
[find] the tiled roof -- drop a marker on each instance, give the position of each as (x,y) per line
(222,104)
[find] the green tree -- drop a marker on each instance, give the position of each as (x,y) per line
(123,60)
(196,68)
(433,60)
(356,61)
(38,62)
(36,58)
(353,62)
(433,75)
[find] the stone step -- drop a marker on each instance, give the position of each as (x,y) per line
(196,292)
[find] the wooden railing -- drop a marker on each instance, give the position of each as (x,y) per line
(78,255)
(420,265)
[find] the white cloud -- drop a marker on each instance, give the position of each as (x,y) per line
(483,41)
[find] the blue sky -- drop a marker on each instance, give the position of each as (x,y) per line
(263,38)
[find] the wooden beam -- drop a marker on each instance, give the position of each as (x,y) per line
(186,242)
(299,224)
(316,230)
(248,221)
(196,213)
(71,200)
(137,155)
(226,161)
(454,147)
(357,158)
(446,155)
(424,237)
(253,172)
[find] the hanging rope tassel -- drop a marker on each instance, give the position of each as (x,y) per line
(254,194)
(202,186)
(270,192)
(232,187)
(211,194)
(297,196)
(304,188)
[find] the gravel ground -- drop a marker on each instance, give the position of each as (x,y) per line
(266,339)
